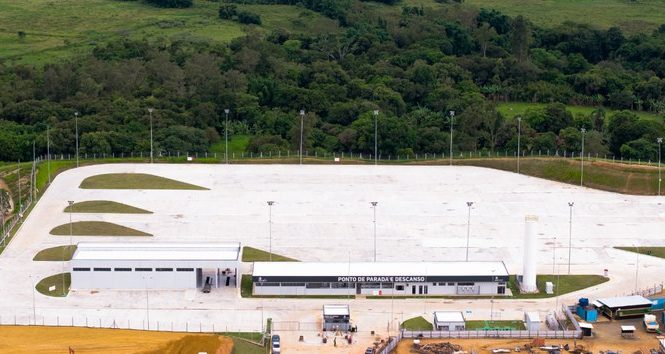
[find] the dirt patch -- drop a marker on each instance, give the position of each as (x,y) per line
(57,340)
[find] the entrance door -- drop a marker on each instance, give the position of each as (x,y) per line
(413,290)
(358,289)
(420,289)
(425,289)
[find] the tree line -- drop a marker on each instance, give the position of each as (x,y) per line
(414,68)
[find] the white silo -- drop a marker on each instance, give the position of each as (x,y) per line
(530,254)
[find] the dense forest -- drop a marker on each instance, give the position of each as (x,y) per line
(414,69)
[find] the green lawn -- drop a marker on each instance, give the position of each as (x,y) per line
(96,228)
(53,254)
(513,109)
(251,254)
(104,206)
(134,181)
(566,284)
(237,144)
(57,281)
(417,324)
(486,325)
(649,251)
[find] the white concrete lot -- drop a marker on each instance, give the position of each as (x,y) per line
(323,213)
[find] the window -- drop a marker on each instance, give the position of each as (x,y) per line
(399,287)
(143,269)
(339,285)
(387,285)
(102,269)
(123,269)
(293,284)
(317,285)
(81,269)
(451,284)
(371,285)
(266,284)
(185,269)
(164,269)
(466,284)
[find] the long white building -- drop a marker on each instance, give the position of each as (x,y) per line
(155,265)
(380,278)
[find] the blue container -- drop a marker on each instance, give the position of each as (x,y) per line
(584,302)
(591,315)
(658,304)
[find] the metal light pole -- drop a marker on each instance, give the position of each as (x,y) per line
(376,124)
(519,140)
(492,310)
(270,203)
(637,266)
(452,118)
(71,226)
(570,234)
(226,136)
(302,120)
(583,130)
(70,202)
(48,154)
(468,230)
(660,141)
(151,154)
(147,302)
(76,124)
(374,221)
(18,182)
(34,310)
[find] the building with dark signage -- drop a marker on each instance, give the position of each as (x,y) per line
(380,278)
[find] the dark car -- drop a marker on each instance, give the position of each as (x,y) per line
(208,285)
(276,344)
(369,350)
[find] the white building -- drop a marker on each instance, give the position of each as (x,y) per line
(532,321)
(336,318)
(380,278)
(154,265)
(449,321)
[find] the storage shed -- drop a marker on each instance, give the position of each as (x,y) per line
(587,329)
(449,321)
(336,318)
(625,306)
(532,321)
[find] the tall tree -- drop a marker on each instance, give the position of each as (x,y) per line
(521,38)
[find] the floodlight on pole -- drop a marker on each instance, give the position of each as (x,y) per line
(519,140)
(583,130)
(151,150)
(570,234)
(302,124)
(48,154)
(468,229)
(452,119)
(374,221)
(226,136)
(660,142)
(637,266)
(76,125)
(270,203)
(71,229)
(376,129)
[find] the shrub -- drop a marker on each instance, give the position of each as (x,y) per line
(247,17)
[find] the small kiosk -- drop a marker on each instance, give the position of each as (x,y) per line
(628,331)
(587,329)
(336,318)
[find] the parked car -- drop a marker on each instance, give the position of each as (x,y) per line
(369,350)
(276,344)
(208,285)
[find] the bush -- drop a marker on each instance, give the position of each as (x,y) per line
(247,17)
(172,3)
(227,11)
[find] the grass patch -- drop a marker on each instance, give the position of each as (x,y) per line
(57,281)
(134,181)
(96,228)
(513,109)
(53,254)
(648,251)
(567,284)
(251,254)
(417,324)
(495,325)
(104,206)
(237,145)
(243,347)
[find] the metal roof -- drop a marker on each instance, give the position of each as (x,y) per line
(145,251)
(378,269)
(625,301)
(335,310)
(448,316)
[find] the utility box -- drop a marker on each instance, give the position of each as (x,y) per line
(532,321)
(549,288)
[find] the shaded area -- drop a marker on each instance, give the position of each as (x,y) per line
(251,254)
(96,228)
(55,285)
(134,181)
(104,206)
(566,284)
(648,251)
(53,254)
(417,324)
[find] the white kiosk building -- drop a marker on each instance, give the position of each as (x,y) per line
(154,265)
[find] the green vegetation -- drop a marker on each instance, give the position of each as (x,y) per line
(104,206)
(514,109)
(649,251)
(621,178)
(251,254)
(55,281)
(566,284)
(501,325)
(243,347)
(53,254)
(237,145)
(134,181)
(96,228)
(246,285)
(417,324)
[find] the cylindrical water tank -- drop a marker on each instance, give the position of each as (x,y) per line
(530,255)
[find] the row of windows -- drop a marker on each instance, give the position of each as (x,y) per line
(77,269)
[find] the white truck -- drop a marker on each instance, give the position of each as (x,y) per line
(650,323)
